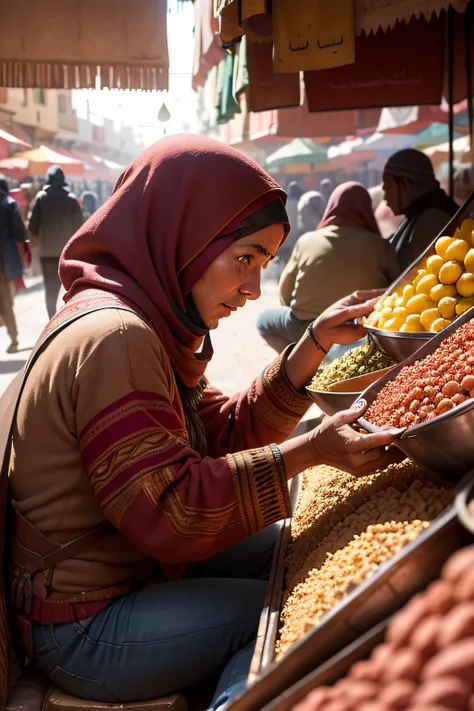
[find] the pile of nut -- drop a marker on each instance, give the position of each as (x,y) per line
(430,386)
(320,578)
(357,361)
(426,662)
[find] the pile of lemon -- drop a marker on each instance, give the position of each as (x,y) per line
(442,289)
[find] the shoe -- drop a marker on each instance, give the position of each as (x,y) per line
(12,348)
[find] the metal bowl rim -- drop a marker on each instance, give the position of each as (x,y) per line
(413,336)
(325,392)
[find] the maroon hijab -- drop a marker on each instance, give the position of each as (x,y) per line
(171,214)
(350,206)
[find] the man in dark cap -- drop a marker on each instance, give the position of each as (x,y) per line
(55,216)
(411,189)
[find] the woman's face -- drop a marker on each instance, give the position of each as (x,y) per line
(234,276)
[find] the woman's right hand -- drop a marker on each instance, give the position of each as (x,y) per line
(337,444)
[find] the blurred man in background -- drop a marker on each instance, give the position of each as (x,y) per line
(13,238)
(55,216)
(410,188)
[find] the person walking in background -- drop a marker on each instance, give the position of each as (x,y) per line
(294,194)
(309,213)
(13,238)
(89,204)
(346,253)
(311,207)
(55,216)
(410,188)
(463,183)
(326,188)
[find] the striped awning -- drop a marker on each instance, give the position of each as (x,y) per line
(82,45)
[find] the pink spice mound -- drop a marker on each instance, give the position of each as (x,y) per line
(430,386)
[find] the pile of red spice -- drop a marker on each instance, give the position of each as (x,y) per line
(429,387)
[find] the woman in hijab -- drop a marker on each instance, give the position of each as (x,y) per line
(345,253)
(164,488)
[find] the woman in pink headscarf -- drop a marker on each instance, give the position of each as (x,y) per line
(345,253)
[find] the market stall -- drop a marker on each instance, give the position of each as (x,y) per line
(358,550)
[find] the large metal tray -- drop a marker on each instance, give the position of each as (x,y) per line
(338,666)
(444,445)
(368,605)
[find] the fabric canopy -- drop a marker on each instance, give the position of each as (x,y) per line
(301,150)
(65,45)
(440,154)
(38,160)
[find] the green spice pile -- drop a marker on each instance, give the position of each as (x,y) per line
(357,361)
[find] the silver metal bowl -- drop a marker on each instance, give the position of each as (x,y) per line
(330,403)
(397,345)
(446,444)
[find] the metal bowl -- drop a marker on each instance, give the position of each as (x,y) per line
(397,345)
(445,445)
(330,403)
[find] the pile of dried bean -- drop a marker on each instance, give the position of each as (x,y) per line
(353,550)
(430,386)
(426,662)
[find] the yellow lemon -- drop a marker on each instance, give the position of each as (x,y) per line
(439,324)
(389,301)
(469,261)
(466,230)
(434,264)
(408,292)
(456,251)
(412,324)
(447,307)
(395,323)
(418,304)
(428,317)
(399,302)
(373,318)
(442,245)
(450,272)
(442,290)
(465,284)
(419,276)
(400,310)
(464,305)
(426,283)
(378,305)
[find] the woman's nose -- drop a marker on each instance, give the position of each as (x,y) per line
(252,286)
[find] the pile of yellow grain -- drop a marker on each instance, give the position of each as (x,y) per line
(343,529)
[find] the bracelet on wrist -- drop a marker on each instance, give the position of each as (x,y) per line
(278,459)
(310,333)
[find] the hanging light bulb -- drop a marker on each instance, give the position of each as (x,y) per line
(163,114)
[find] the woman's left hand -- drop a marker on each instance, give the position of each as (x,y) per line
(338,324)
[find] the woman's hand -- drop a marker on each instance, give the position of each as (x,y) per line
(333,326)
(335,443)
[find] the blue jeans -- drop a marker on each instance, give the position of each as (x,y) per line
(166,637)
(280,327)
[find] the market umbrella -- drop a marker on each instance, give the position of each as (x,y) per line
(10,138)
(301,150)
(440,153)
(433,135)
(38,160)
